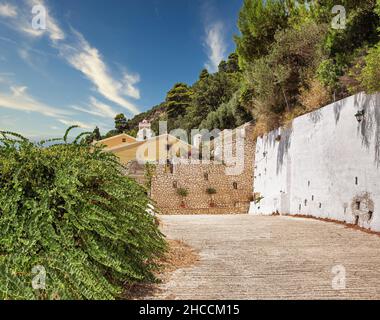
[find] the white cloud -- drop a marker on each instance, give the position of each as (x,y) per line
(19,99)
(80,55)
(21,20)
(216,46)
(98,109)
(24,55)
(53,30)
(7,10)
(129,82)
(89,61)
(70,123)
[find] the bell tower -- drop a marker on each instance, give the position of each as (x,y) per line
(145,131)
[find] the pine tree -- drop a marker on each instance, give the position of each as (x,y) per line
(121,123)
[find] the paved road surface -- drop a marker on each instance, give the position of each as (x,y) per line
(251,257)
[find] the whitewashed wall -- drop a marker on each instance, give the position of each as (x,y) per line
(325,165)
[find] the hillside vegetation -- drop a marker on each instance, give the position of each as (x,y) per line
(289,60)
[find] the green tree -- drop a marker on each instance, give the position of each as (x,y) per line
(177,102)
(121,123)
(228,116)
(277,78)
(204,74)
(258,23)
(96,134)
(370,77)
(208,95)
(233,63)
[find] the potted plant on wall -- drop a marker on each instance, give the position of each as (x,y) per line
(183,193)
(211,191)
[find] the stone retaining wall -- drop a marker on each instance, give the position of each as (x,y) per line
(233,192)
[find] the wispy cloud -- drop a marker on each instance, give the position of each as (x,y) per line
(7,10)
(76,123)
(97,108)
(77,51)
(87,59)
(24,55)
(20,19)
(215,45)
(19,99)
(129,82)
(53,29)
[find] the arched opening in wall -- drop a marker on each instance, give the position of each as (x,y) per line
(320,205)
(305,203)
(356,180)
(235,185)
(357,204)
(205,176)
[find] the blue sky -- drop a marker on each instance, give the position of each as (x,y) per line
(97,58)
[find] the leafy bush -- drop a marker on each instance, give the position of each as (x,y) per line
(69,209)
(370,77)
(211,191)
(149,171)
(329,72)
(182,192)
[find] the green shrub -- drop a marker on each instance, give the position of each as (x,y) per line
(211,191)
(182,192)
(68,208)
(370,77)
(329,72)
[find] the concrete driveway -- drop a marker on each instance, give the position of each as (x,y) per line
(254,257)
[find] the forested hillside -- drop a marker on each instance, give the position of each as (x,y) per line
(290,59)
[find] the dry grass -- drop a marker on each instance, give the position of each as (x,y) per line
(180,255)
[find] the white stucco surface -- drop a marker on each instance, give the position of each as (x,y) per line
(326,164)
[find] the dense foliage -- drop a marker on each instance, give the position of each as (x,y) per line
(69,209)
(290,59)
(214,101)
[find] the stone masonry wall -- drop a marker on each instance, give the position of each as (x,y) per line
(234,192)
